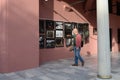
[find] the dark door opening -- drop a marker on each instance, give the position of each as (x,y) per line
(118,36)
(110,39)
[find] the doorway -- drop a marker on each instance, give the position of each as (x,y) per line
(118,36)
(110,39)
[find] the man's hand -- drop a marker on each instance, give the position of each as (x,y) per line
(68,35)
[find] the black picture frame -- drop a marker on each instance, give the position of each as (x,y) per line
(68,29)
(50,43)
(59,42)
(80,28)
(59,25)
(49,25)
(74,25)
(86,32)
(68,42)
(41,26)
(68,25)
(59,34)
(50,34)
(41,41)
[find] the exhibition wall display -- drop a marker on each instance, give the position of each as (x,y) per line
(54,34)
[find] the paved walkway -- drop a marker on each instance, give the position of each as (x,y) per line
(62,70)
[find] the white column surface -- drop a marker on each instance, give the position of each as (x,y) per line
(104,63)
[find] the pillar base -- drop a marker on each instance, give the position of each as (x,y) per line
(104,79)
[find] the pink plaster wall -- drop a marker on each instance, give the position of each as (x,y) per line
(61,14)
(22,38)
(19,28)
(75,16)
(3,37)
(114,24)
(47,6)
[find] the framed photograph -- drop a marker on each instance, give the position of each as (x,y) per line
(74,25)
(68,42)
(68,29)
(49,25)
(80,28)
(59,42)
(41,26)
(50,43)
(68,25)
(41,41)
(85,27)
(58,25)
(86,32)
(68,34)
(59,33)
(50,34)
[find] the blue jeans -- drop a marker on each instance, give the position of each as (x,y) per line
(77,55)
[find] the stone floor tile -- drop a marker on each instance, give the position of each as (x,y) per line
(62,70)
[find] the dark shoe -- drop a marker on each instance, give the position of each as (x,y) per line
(83,64)
(74,64)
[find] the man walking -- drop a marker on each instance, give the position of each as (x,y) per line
(77,47)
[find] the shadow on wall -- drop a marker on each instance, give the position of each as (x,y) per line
(88,53)
(47,6)
(85,8)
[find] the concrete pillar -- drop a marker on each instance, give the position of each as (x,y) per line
(104,62)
